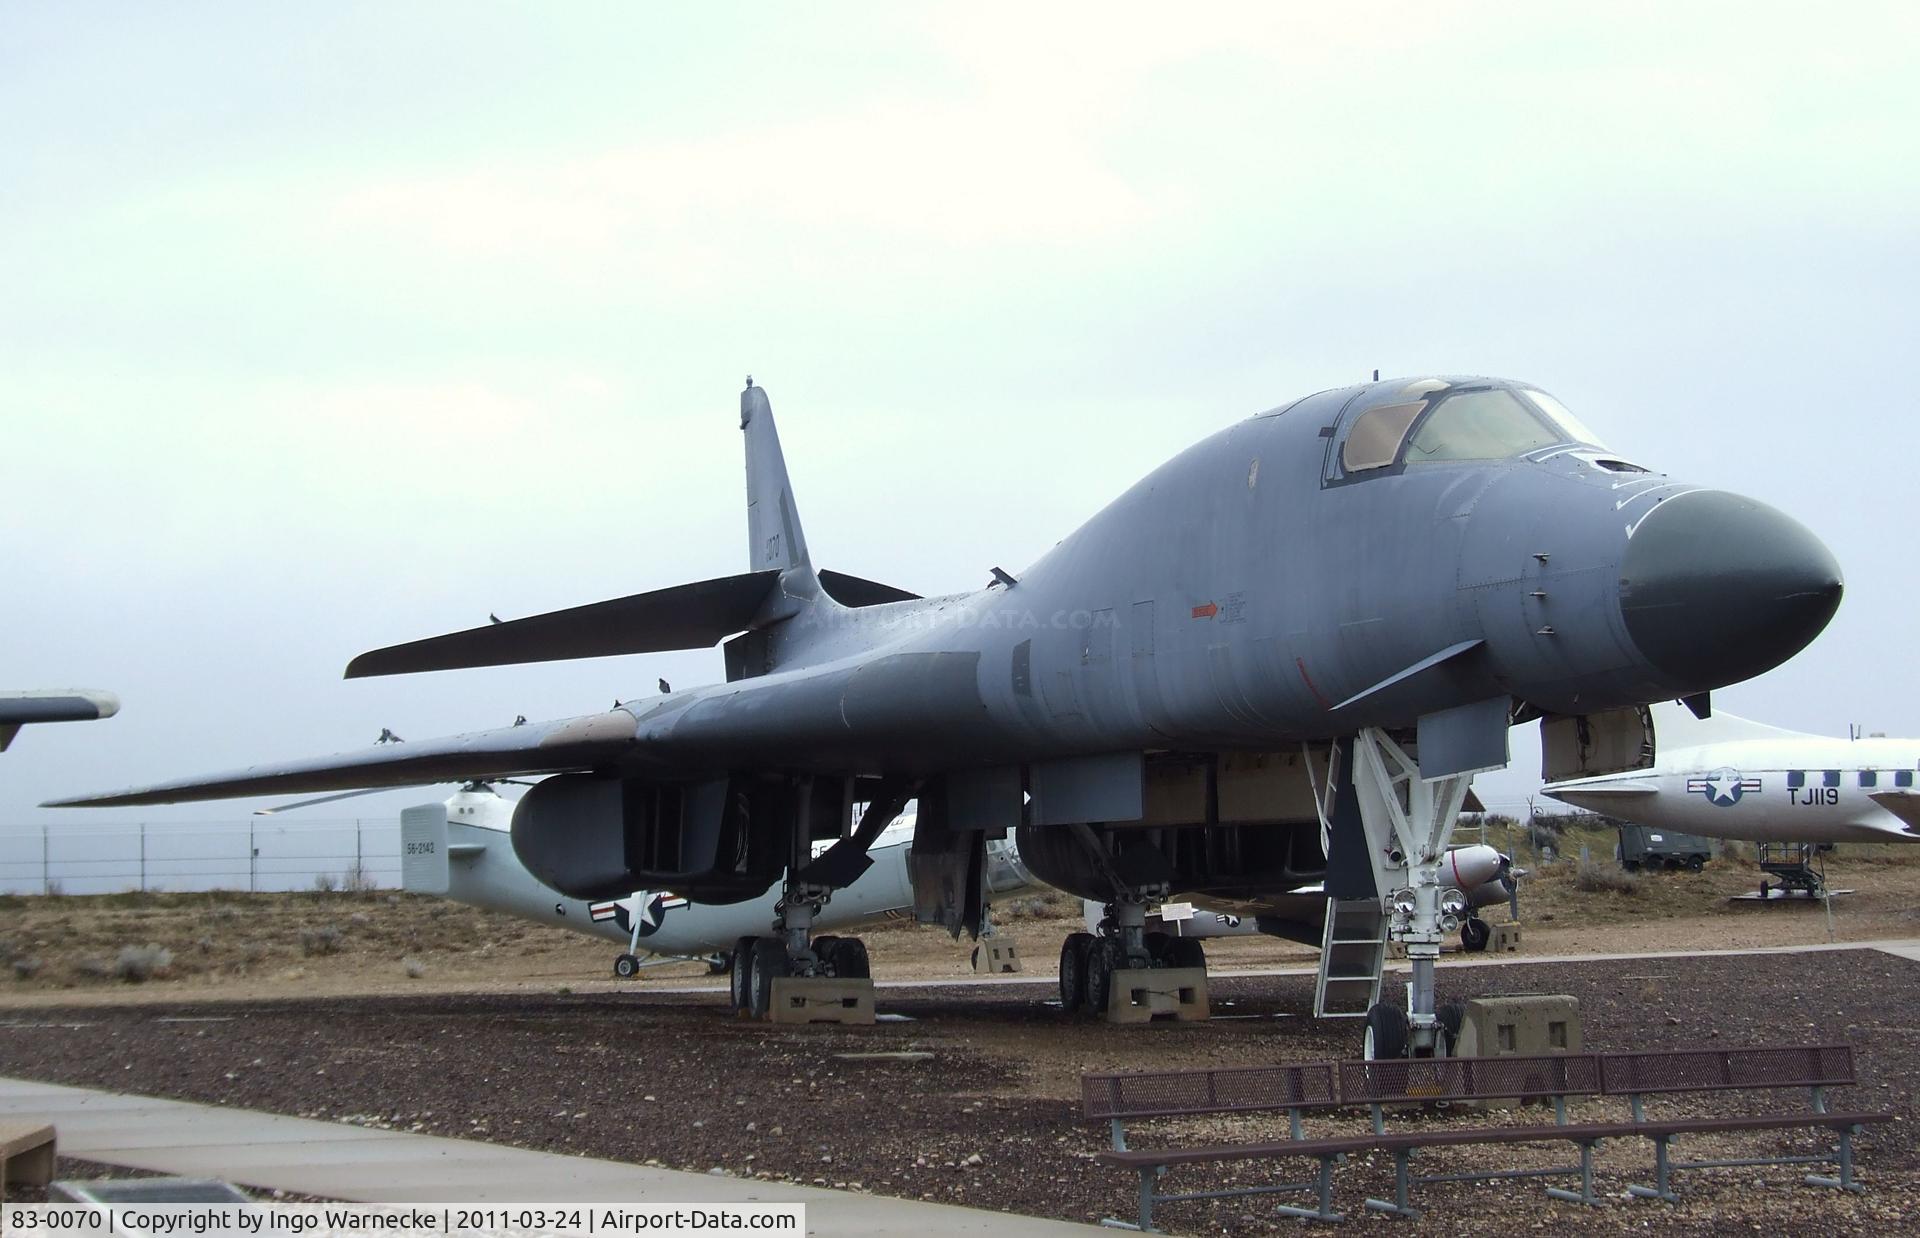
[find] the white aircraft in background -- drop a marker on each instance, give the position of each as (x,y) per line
(462,849)
(17,709)
(1726,777)
(1478,871)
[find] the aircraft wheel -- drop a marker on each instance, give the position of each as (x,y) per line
(626,966)
(719,964)
(1160,948)
(1104,957)
(769,961)
(741,976)
(1186,952)
(1474,935)
(846,957)
(1073,970)
(1451,1015)
(1386,1033)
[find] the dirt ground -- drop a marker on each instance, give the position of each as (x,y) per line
(406,1012)
(227,945)
(675,1079)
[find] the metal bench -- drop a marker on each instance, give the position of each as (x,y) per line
(1383,1085)
(1817,1068)
(1117,1098)
(1549,1077)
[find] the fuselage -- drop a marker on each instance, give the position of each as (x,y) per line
(1242,594)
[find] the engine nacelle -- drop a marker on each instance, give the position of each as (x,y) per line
(592,836)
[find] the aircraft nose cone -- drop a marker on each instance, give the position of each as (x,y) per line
(1716,588)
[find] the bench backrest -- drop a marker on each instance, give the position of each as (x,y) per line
(1712,1070)
(1469,1078)
(1229,1089)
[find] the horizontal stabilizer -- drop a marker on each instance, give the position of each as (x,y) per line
(853,592)
(17,709)
(536,748)
(693,616)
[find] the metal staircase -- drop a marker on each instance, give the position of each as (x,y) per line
(1353,953)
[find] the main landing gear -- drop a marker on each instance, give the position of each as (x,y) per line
(758,961)
(1090,962)
(825,978)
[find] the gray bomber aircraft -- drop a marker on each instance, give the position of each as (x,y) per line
(1318,623)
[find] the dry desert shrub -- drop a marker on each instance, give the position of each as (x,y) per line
(1595,877)
(137,964)
(322,940)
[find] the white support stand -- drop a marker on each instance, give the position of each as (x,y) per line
(1409,823)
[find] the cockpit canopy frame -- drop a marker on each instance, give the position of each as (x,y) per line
(1387,427)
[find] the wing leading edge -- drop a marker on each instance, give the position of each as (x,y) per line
(536,748)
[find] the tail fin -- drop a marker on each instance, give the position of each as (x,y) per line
(774,538)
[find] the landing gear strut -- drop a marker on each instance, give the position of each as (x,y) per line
(1409,821)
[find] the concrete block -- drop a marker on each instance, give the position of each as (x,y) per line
(26,1154)
(820,999)
(1144,994)
(996,957)
(1506,937)
(1523,1024)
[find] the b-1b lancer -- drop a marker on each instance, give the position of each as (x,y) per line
(1318,622)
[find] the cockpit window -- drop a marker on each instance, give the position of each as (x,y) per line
(1575,429)
(1490,424)
(1374,440)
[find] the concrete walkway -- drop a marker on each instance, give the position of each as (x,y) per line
(338,1161)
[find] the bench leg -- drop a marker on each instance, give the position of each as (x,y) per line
(1400,1206)
(1149,1178)
(1323,1190)
(1661,1188)
(1585,1194)
(1844,1156)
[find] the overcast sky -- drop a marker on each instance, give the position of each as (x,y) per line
(323,328)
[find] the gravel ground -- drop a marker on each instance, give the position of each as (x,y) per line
(677,1080)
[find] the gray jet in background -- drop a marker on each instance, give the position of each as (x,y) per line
(1286,650)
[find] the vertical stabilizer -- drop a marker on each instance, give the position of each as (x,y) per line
(774,538)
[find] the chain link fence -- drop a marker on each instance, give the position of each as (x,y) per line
(260,854)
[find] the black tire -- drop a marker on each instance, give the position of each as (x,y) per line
(1632,866)
(1474,935)
(1187,952)
(741,976)
(1073,971)
(1451,1016)
(769,961)
(626,966)
(1695,863)
(823,946)
(1104,958)
(847,958)
(719,964)
(1160,948)
(1386,1036)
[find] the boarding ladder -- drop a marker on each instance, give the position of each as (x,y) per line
(1353,953)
